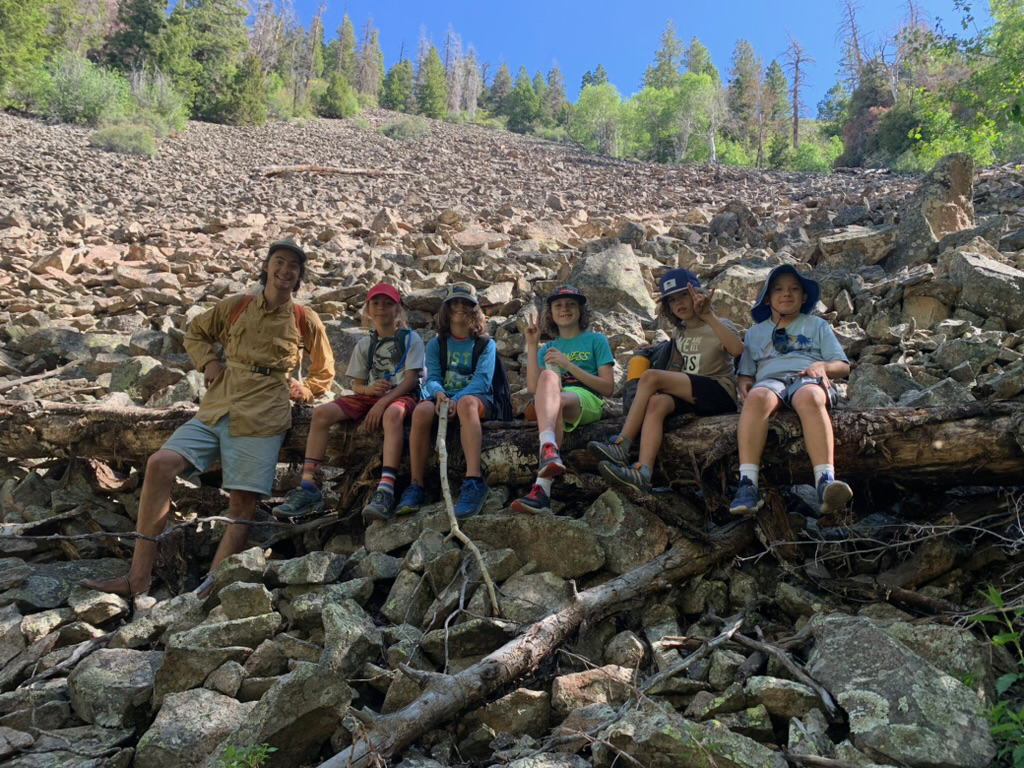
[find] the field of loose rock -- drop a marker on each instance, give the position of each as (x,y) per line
(630,629)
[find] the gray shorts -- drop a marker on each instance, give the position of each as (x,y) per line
(786,387)
(248,463)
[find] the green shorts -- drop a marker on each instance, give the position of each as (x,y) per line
(591,407)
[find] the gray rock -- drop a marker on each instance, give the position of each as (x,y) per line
(946,392)
(659,739)
(315,568)
(225,679)
(72,747)
(782,698)
(248,632)
(988,287)
(628,533)
(856,246)
(303,605)
(625,650)
(110,688)
(50,584)
(188,728)
(350,639)
(296,716)
(96,607)
(900,707)
(940,206)
(968,349)
(519,712)
(893,380)
(612,279)
(243,600)
(609,684)
(529,598)
(185,667)
(409,599)
(566,547)
(471,638)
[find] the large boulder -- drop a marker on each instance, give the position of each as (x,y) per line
(188,729)
(612,279)
(940,206)
(111,687)
(902,708)
(988,287)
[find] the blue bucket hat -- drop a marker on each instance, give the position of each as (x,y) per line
(676,280)
(761,310)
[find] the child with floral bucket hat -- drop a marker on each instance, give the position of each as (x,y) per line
(789,360)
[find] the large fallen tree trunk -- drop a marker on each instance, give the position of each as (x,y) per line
(974,444)
(448,695)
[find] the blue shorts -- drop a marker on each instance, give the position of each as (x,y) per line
(786,387)
(248,463)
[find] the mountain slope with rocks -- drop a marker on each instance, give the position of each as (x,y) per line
(650,629)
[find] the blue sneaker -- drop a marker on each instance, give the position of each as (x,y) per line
(631,477)
(471,497)
(610,450)
(833,494)
(300,503)
(747,500)
(411,500)
(379,506)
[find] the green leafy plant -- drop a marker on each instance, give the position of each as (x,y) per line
(407,129)
(244,757)
(126,139)
(1006,715)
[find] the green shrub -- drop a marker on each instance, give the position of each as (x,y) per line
(362,124)
(244,757)
(279,98)
(160,106)
(80,92)
(1006,715)
(339,99)
(553,133)
(407,129)
(732,153)
(126,139)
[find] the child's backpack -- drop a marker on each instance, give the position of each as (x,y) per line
(501,394)
(401,344)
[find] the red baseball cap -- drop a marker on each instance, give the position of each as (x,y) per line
(383,289)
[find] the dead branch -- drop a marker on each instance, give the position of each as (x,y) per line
(331,170)
(456,531)
(394,732)
(733,625)
(794,669)
(6,385)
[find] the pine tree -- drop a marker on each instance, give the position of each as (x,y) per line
(555,104)
(347,59)
(597,77)
(371,63)
(697,60)
(744,96)
(501,87)
(218,35)
(132,46)
(772,115)
(339,100)
(431,88)
(23,44)
(522,105)
(397,91)
(665,71)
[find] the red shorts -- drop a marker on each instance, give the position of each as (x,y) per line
(356,406)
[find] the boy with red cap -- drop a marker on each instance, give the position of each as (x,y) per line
(385,369)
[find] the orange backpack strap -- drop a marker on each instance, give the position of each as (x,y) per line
(300,321)
(240,308)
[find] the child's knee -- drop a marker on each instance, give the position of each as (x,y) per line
(809,398)
(394,416)
(468,408)
(548,379)
(326,414)
(661,405)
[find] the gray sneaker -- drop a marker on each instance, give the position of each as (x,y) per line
(379,506)
(300,503)
(609,450)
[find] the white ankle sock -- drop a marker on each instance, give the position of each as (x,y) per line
(545,483)
(750,471)
(548,436)
(820,469)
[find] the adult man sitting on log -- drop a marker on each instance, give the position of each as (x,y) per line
(243,418)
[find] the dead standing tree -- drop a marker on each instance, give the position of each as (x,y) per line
(796,58)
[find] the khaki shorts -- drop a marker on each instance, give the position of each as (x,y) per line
(591,407)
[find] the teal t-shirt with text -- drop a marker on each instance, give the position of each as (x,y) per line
(589,351)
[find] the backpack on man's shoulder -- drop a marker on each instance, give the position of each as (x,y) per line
(501,394)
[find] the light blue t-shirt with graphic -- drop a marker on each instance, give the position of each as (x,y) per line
(460,379)
(808,339)
(588,350)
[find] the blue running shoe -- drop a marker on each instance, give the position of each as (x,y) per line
(747,500)
(379,506)
(631,477)
(609,450)
(471,497)
(411,500)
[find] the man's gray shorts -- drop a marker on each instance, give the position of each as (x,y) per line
(248,463)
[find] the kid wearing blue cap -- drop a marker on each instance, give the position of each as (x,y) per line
(789,359)
(696,376)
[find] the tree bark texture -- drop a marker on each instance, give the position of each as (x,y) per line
(973,444)
(450,695)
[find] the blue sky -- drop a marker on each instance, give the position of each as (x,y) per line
(623,36)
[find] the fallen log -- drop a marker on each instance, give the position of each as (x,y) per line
(277,170)
(972,444)
(448,695)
